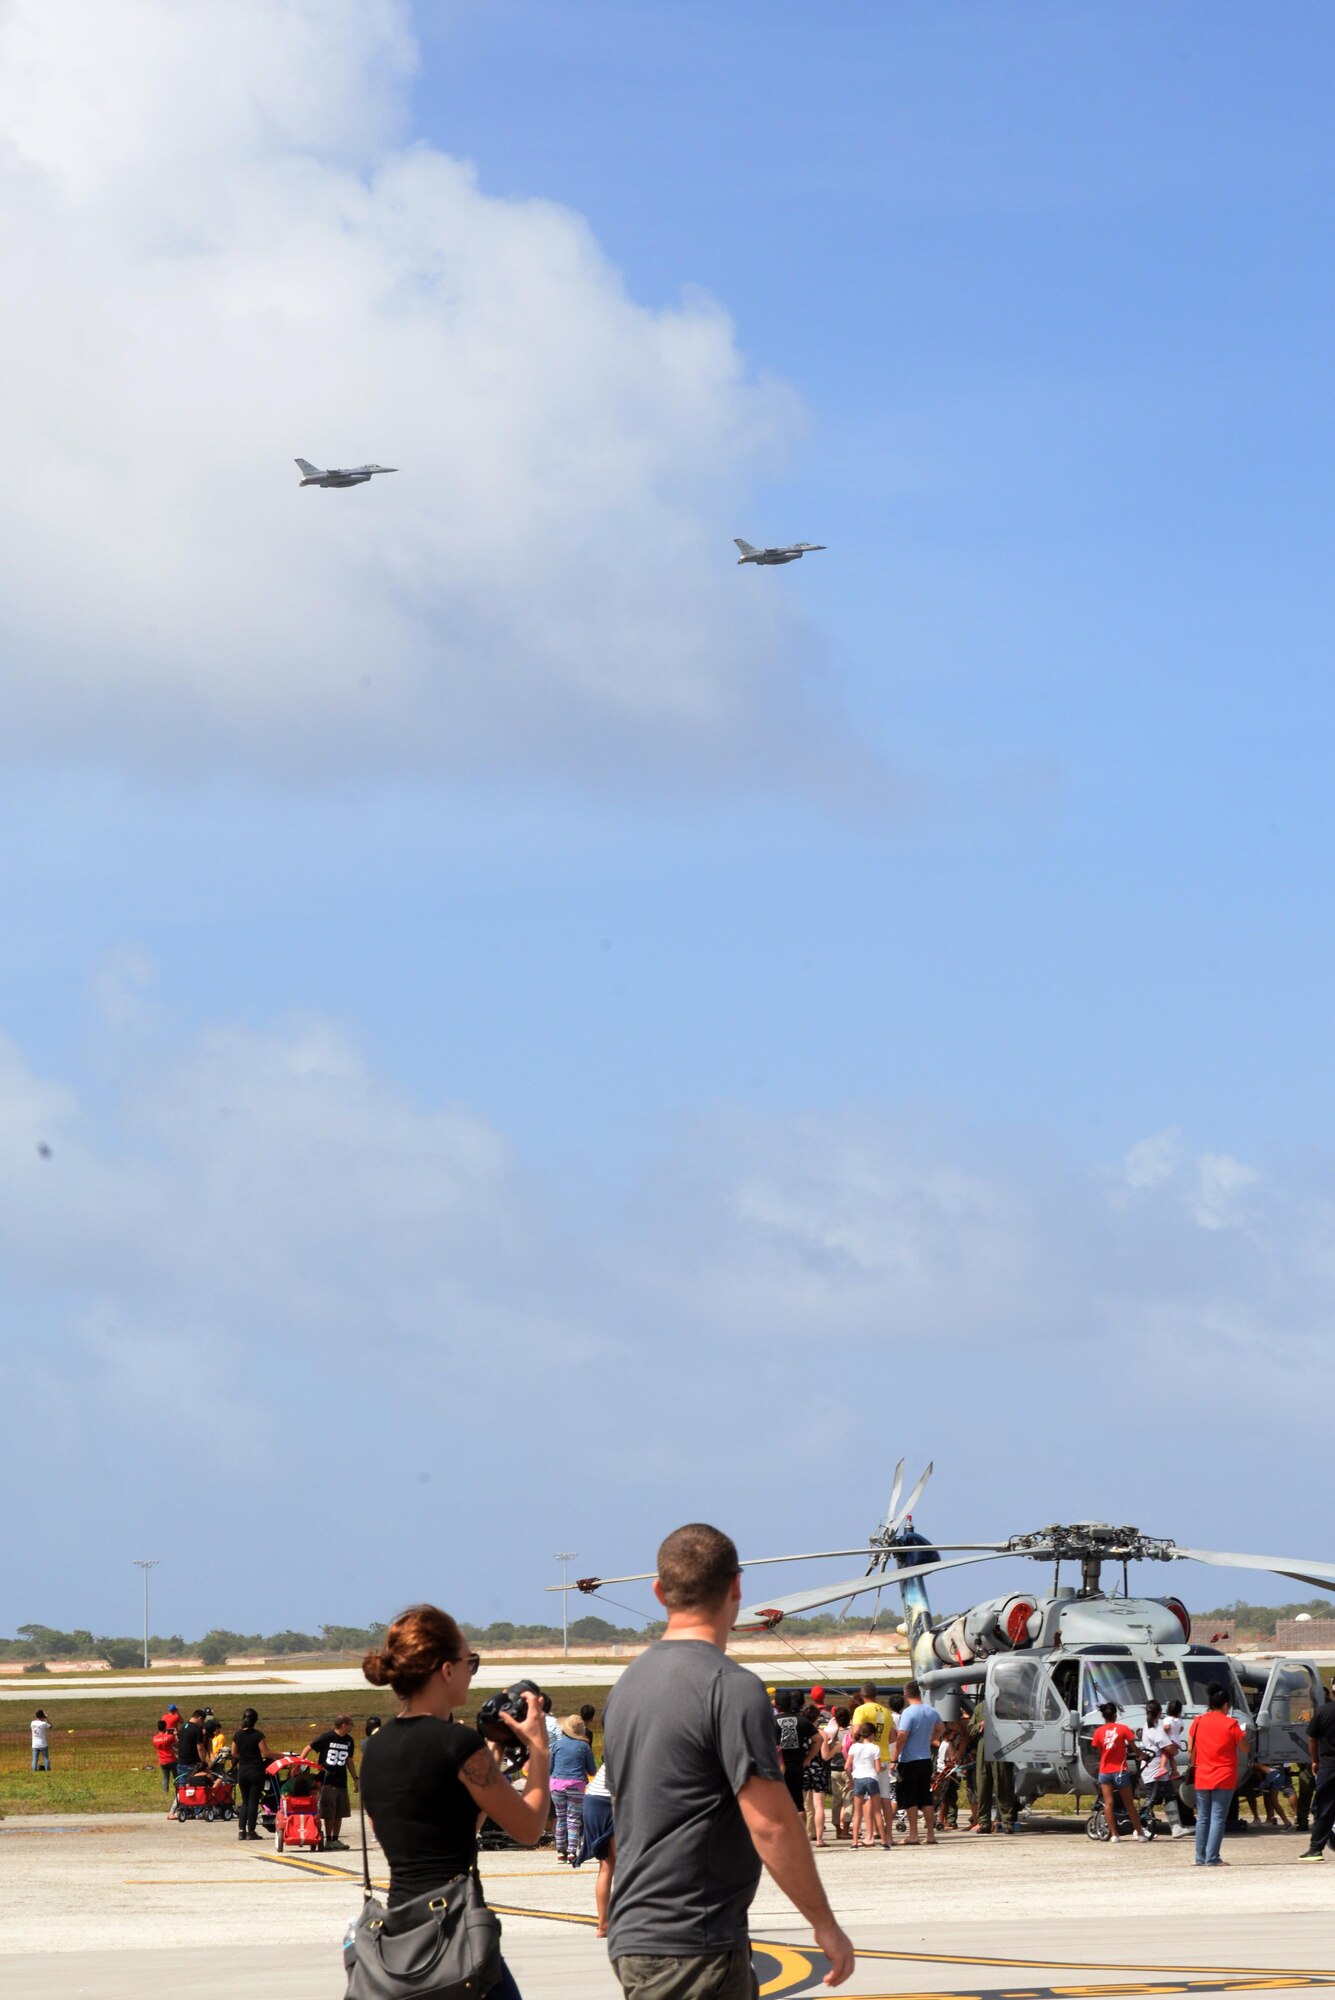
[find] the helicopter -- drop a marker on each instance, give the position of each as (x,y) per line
(1043,1662)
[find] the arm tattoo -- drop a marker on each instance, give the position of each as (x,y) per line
(481,1771)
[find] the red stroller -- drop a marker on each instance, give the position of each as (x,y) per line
(298,1819)
(206,1795)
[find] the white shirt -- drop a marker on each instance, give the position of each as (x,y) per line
(598,1787)
(553,1732)
(40,1733)
(864,1760)
(1159,1739)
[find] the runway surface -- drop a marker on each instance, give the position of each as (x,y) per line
(494,1673)
(117,1907)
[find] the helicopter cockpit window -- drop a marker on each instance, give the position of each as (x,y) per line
(1019,1693)
(1202,1675)
(1112,1680)
(1291,1695)
(1165,1685)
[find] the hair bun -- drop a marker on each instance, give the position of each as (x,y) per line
(377,1668)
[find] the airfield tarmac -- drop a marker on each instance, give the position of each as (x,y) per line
(116,1907)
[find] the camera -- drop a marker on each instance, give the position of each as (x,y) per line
(496,1714)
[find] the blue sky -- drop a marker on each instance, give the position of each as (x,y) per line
(466,924)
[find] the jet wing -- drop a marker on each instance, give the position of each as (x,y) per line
(1321,1576)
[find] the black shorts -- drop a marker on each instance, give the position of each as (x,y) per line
(913,1782)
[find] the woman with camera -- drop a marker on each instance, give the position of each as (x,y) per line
(426,1778)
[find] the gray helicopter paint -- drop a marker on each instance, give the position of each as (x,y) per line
(343,475)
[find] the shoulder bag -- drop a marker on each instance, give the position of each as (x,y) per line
(443,1946)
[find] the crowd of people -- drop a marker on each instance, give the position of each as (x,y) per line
(707,1778)
(193,1748)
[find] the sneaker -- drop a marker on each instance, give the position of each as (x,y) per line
(1146,1837)
(1114,1838)
(1311,1854)
(1180,1832)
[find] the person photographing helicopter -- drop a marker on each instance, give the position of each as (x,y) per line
(428,1782)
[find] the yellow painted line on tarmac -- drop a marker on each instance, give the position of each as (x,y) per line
(795,1968)
(546,1916)
(1260,1974)
(324,1870)
(798,1965)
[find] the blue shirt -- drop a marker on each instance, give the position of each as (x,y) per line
(572,1758)
(917,1723)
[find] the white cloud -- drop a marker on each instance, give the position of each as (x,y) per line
(217,258)
(261,1226)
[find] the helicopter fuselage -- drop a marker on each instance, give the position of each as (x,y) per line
(1045,1667)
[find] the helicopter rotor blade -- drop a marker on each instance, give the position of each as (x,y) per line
(588,1584)
(799,1601)
(1320,1575)
(896,1489)
(914,1497)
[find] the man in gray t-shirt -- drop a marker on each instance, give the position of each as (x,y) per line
(698,1797)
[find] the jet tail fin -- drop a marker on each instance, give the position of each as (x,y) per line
(308,470)
(745,547)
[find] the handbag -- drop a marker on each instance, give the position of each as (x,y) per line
(442,1946)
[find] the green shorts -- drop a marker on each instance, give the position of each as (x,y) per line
(709,1975)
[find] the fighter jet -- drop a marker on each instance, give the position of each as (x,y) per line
(793,553)
(343,475)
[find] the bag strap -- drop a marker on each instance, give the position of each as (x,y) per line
(367,1891)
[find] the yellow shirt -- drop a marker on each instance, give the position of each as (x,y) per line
(882,1721)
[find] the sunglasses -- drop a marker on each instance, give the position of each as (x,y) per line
(474,1661)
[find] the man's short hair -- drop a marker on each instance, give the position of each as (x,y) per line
(1217,1696)
(868,1691)
(696,1566)
(911,1687)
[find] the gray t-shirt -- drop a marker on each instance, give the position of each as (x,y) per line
(684,1729)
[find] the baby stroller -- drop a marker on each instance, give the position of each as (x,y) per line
(297,1823)
(270,1794)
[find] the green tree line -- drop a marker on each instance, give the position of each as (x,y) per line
(44,1645)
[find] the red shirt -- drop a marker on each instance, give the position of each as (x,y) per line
(1111,1741)
(1214,1739)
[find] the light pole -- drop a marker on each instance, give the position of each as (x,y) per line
(565,1557)
(146,1563)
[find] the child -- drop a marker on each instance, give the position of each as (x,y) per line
(1116,1744)
(864,1764)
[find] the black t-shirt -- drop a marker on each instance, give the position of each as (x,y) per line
(796,1736)
(249,1756)
(333,1750)
(424,1818)
(1322,1727)
(190,1744)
